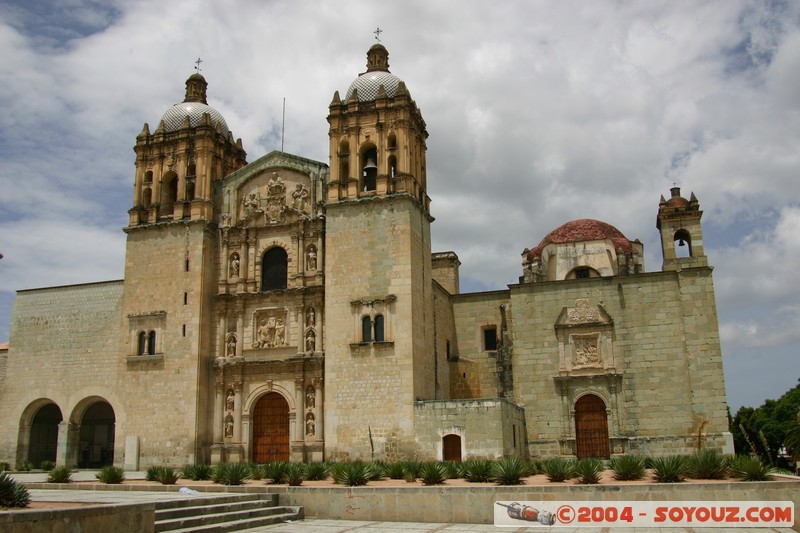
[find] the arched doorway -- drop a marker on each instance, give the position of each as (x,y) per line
(274,269)
(44,434)
(451,448)
(591,428)
(271,429)
(96,436)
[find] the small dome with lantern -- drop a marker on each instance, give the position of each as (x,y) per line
(194,106)
(367,84)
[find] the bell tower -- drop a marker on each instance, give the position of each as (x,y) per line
(678,223)
(171,272)
(378,288)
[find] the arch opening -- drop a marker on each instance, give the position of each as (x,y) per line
(682,241)
(591,428)
(43,443)
(274,269)
(271,429)
(451,448)
(96,436)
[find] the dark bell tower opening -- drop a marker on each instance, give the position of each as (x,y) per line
(369,169)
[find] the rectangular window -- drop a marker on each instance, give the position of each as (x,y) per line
(490,338)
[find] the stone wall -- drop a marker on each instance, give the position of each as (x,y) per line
(488,428)
(130,518)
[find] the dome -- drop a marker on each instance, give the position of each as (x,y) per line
(584,230)
(194,105)
(377,74)
(369,82)
(175,115)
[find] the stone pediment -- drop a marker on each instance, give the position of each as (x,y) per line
(582,314)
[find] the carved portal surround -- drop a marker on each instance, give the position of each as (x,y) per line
(588,360)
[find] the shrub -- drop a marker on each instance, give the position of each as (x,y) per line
(316,471)
(60,474)
(411,470)
(196,472)
(151,474)
(4,466)
(166,475)
(231,473)
(707,464)
(352,474)
(478,470)
(24,466)
(668,469)
(509,471)
(47,465)
(378,470)
(533,468)
(750,468)
(295,474)
(432,473)
(588,470)
(256,471)
(558,469)
(453,469)
(111,475)
(12,492)
(396,470)
(628,467)
(274,471)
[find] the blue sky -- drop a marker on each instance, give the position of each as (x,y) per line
(538,113)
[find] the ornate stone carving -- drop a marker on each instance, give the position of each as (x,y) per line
(311,317)
(229,400)
(229,426)
(311,257)
(582,312)
(311,396)
(270,329)
(276,199)
(300,197)
(310,425)
(585,351)
(230,346)
(233,267)
(311,340)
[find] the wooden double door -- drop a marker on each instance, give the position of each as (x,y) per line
(271,429)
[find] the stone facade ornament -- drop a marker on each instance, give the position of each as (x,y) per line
(586,352)
(310,425)
(276,199)
(311,258)
(300,197)
(310,317)
(229,400)
(582,312)
(270,329)
(230,349)
(229,426)
(311,340)
(233,269)
(311,396)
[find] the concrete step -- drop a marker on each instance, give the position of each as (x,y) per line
(232,512)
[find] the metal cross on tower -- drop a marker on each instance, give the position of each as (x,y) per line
(197,65)
(377,33)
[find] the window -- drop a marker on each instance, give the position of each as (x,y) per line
(379,328)
(490,338)
(141,344)
(582,273)
(274,268)
(366,330)
(151,343)
(369,170)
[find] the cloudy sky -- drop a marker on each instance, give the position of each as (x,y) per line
(538,113)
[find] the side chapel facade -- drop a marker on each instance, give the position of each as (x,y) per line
(287,309)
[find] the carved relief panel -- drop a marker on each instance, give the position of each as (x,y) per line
(585,339)
(270,328)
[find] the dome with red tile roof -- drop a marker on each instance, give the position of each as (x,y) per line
(585,229)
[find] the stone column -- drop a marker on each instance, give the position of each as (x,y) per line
(300,320)
(237,412)
(222,334)
(219,409)
(318,410)
(240,330)
(300,396)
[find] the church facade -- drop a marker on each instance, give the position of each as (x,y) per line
(289,309)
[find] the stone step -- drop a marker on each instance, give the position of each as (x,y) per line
(232,512)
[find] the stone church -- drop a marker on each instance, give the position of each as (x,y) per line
(290,309)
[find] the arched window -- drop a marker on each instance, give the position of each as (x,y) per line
(344,160)
(683,243)
(392,166)
(379,328)
(141,343)
(366,329)
(391,142)
(369,169)
(147,197)
(274,268)
(151,343)
(582,272)
(169,193)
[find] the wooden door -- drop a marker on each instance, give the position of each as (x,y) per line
(271,429)
(591,428)
(451,448)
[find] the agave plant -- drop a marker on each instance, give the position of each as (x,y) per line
(378,470)
(166,475)
(587,471)
(628,467)
(509,471)
(432,473)
(316,471)
(411,470)
(396,470)
(47,465)
(668,469)
(60,474)
(274,471)
(453,469)
(12,492)
(750,468)
(707,464)
(196,472)
(256,471)
(352,474)
(295,474)
(111,475)
(558,469)
(231,473)
(478,470)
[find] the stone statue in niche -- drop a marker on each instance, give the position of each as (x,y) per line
(311,341)
(229,426)
(233,269)
(310,426)
(280,333)
(311,396)
(310,317)
(586,353)
(300,197)
(311,258)
(231,346)
(229,400)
